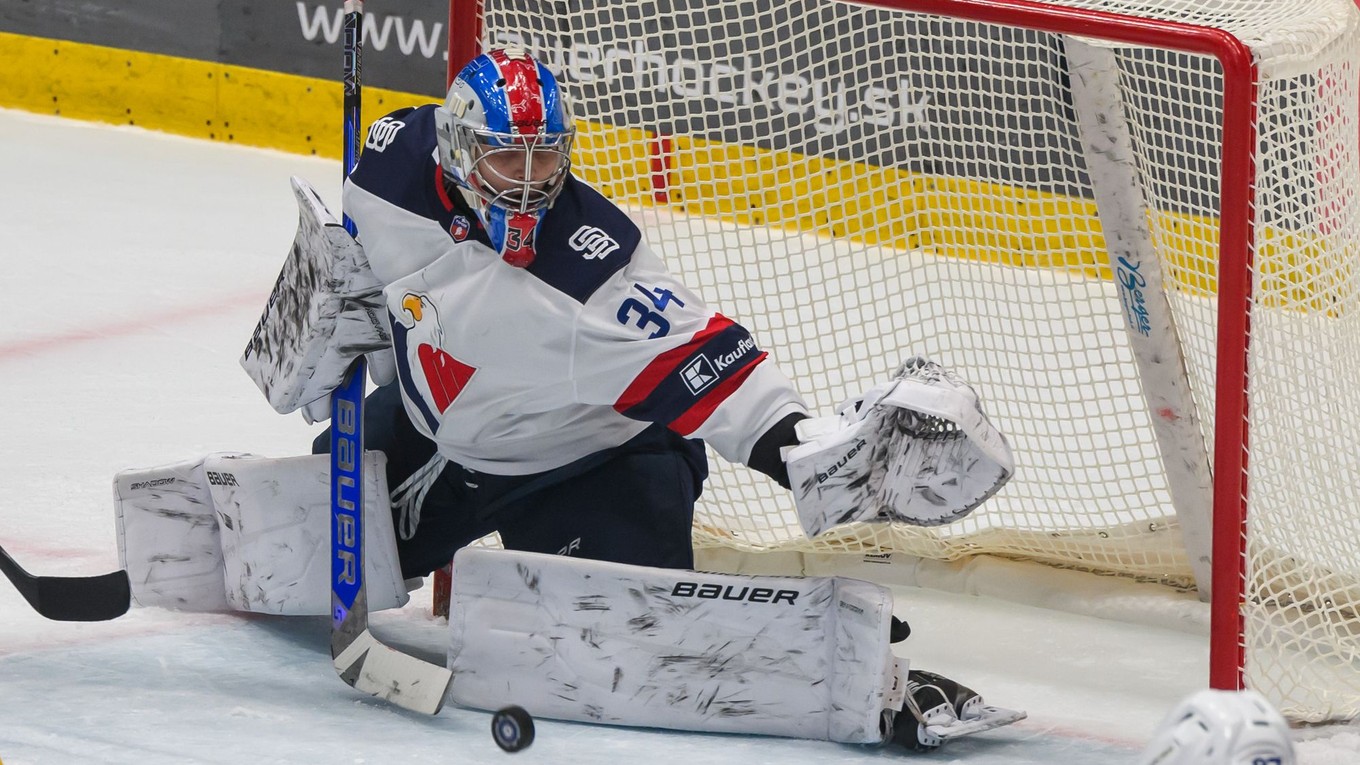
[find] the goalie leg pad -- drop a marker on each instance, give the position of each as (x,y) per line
(168,537)
(600,642)
(241,532)
(276,534)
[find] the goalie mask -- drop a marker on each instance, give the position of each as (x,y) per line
(505,138)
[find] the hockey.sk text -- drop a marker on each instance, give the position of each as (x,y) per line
(833,106)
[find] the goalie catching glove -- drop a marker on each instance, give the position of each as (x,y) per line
(917,449)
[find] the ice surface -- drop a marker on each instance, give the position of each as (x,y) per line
(134,266)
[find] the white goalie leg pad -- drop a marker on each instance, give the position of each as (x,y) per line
(168,538)
(917,449)
(599,642)
(326,309)
(234,531)
(275,516)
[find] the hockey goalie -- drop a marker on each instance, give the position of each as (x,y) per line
(541,374)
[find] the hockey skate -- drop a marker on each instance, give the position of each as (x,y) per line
(937,709)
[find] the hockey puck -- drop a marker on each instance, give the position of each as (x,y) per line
(512,728)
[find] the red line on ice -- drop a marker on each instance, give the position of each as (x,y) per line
(169,317)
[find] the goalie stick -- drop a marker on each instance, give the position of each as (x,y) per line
(360,659)
(71,598)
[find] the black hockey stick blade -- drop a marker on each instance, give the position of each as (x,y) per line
(71,598)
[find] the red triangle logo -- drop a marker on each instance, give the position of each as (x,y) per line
(446,376)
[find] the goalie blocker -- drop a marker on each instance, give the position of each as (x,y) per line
(326,310)
(600,642)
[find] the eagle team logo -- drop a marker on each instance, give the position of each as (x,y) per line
(445,376)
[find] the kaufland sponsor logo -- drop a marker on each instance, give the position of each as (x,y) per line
(832,105)
(411,36)
(698,375)
(728,359)
(704,371)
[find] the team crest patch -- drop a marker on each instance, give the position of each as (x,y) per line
(459,228)
(382,133)
(444,376)
(592,242)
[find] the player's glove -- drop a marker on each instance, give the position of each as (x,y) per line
(917,449)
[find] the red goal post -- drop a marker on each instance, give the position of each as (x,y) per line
(1237,233)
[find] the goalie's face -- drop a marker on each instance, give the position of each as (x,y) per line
(519,173)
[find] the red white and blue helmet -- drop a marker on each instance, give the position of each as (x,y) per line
(505,135)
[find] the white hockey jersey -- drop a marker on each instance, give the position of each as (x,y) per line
(514,370)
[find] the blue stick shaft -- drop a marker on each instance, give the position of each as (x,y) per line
(347,402)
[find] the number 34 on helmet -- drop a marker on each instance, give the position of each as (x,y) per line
(505,135)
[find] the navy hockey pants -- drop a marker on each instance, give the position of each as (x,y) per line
(630,504)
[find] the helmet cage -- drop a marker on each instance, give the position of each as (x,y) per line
(517,172)
(504,137)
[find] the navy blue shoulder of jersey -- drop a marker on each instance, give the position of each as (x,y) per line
(397,163)
(582,241)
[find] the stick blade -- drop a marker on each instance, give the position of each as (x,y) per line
(83,599)
(367,665)
(71,598)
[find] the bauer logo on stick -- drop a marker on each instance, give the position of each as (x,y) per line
(221,479)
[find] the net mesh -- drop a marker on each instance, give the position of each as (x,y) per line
(858,185)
